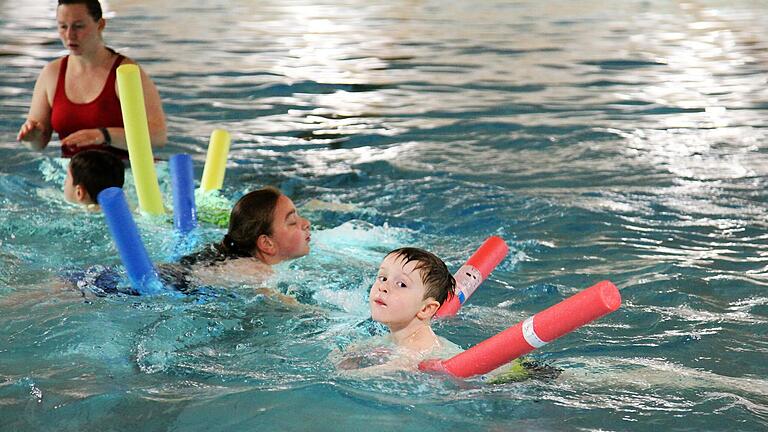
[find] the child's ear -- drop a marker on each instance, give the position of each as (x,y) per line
(265,244)
(428,309)
(81,195)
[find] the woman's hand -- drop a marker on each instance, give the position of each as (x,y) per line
(31,130)
(83,138)
(34,133)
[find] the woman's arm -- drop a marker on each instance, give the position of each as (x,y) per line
(155,115)
(36,130)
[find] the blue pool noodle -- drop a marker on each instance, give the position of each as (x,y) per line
(183,185)
(125,234)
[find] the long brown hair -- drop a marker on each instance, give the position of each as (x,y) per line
(250,218)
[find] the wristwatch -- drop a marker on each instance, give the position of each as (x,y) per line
(107,137)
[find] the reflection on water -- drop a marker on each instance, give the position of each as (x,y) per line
(621,142)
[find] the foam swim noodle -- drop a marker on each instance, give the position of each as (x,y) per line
(215,160)
(137,138)
(473,273)
(212,207)
(183,186)
(534,332)
(126,236)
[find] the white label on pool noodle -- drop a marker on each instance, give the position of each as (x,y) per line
(468,278)
(530,334)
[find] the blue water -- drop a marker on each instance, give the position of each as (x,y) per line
(622,141)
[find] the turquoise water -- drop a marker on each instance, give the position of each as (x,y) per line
(602,141)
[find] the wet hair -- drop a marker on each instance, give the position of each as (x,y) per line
(93,6)
(438,281)
(96,170)
(251,217)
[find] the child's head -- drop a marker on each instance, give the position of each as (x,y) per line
(411,284)
(90,172)
(265,224)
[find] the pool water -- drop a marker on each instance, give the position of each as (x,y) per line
(623,142)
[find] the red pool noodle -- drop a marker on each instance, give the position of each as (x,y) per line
(544,327)
(473,273)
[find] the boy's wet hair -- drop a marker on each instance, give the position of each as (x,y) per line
(93,6)
(438,281)
(96,170)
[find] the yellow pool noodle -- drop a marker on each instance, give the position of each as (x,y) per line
(215,161)
(137,138)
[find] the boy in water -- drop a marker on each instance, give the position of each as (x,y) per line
(90,172)
(410,287)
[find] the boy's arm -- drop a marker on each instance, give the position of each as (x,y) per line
(359,362)
(388,368)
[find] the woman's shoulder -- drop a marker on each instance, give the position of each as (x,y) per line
(127,60)
(51,70)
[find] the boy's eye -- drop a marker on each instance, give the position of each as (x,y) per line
(381,278)
(401,284)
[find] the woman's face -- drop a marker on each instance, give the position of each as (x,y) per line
(78,31)
(290,232)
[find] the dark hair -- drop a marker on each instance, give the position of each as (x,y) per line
(251,217)
(94,7)
(96,170)
(439,282)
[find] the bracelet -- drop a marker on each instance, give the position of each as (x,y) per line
(107,137)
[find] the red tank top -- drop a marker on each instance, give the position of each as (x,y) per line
(68,117)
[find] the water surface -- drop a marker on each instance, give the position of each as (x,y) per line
(622,142)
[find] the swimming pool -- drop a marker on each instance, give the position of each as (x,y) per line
(623,143)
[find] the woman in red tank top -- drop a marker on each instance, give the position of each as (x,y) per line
(76,95)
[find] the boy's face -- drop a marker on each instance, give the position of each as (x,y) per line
(397,296)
